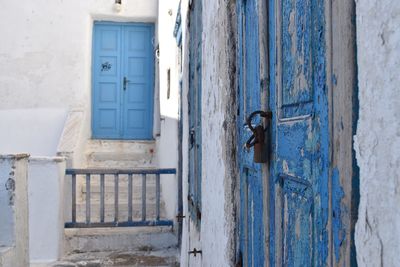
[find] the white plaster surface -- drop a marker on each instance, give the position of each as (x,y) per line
(46,46)
(377,141)
(167,143)
(215,227)
(72,141)
(216,224)
(186,235)
(33,131)
(14,247)
(46,210)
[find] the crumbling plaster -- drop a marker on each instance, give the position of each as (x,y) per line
(377,142)
(216,234)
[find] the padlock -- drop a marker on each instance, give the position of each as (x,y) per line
(260,153)
(258,138)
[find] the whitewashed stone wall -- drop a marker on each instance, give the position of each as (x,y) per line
(167,143)
(378,135)
(14,247)
(46,48)
(46,209)
(216,237)
(46,54)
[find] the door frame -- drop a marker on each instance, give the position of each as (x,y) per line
(153,98)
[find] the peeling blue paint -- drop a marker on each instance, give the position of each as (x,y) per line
(339,234)
(301,153)
(252,240)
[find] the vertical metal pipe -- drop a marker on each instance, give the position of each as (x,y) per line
(87,198)
(102,198)
(143,197)
(157,197)
(130,197)
(116,197)
(74,198)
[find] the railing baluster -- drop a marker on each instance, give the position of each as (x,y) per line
(143,197)
(102,173)
(157,197)
(101,197)
(116,197)
(74,198)
(87,198)
(130,197)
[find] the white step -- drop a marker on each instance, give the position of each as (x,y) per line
(122,212)
(119,239)
(120,154)
(145,258)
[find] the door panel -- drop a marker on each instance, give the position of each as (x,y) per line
(300,134)
(123,80)
(137,109)
(106,77)
(251,189)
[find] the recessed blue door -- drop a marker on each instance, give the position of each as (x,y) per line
(252,228)
(123,80)
(299,170)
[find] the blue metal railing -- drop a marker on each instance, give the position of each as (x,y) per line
(115,173)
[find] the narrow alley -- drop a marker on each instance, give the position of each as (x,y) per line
(199,133)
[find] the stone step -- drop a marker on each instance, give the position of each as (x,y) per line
(95,188)
(122,197)
(120,154)
(122,212)
(142,258)
(86,240)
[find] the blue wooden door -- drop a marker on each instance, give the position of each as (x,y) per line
(299,195)
(252,233)
(123,80)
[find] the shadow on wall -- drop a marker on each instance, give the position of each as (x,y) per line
(33,131)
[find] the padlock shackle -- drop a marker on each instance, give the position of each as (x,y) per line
(263,114)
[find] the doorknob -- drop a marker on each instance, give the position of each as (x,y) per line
(126,81)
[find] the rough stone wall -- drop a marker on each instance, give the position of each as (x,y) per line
(377,141)
(217,235)
(218,117)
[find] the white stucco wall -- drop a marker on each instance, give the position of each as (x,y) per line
(33,131)
(14,247)
(377,141)
(46,60)
(46,46)
(167,143)
(46,209)
(217,223)
(186,235)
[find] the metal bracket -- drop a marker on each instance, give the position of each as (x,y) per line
(195,252)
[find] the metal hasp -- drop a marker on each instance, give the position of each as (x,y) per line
(195,252)
(258,138)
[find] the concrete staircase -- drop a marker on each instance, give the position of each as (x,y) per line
(133,246)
